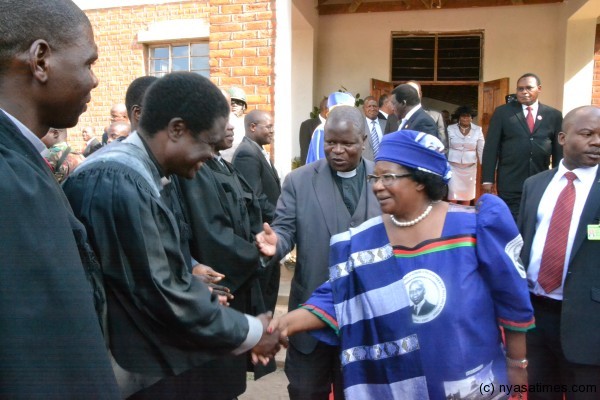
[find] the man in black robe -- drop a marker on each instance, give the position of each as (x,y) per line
(51,343)
(224,215)
(162,320)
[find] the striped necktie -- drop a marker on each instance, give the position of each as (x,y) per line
(374,138)
(553,255)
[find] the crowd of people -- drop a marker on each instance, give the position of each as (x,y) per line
(147,265)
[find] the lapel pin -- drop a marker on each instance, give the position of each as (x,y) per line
(539,117)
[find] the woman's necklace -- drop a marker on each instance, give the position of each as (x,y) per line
(464,130)
(404,224)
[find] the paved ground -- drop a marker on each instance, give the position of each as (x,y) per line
(274,385)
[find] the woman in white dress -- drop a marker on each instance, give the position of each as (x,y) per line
(465,143)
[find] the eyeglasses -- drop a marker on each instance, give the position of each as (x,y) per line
(386,179)
(268,127)
(237,103)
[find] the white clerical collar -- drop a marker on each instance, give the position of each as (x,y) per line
(346,175)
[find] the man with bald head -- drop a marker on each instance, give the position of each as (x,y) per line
(407,107)
(558,219)
(118,112)
(254,164)
(319,200)
(51,343)
(118,130)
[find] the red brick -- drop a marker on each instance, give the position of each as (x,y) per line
(244,35)
(258,25)
(232,62)
(257,61)
(236,81)
(229,9)
(257,80)
(230,44)
(245,52)
(243,71)
(257,43)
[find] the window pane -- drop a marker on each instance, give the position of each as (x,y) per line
(160,65)
(180,64)
(159,52)
(179,51)
(199,63)
(199,49)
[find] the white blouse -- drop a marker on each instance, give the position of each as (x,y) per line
(465,149)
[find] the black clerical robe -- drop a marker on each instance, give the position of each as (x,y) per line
(51,343)
(162,320)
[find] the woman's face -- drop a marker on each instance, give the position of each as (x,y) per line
(397,197)
(465,119)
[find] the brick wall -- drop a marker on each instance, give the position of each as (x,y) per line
(241,42)
(596,82)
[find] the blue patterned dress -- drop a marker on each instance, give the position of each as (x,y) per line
(423,322)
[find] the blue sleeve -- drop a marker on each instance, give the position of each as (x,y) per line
(320,304)
(315,149)
(498,248)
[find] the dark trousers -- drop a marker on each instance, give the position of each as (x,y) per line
(547,363)
(311,375)
(221,379)
(513,201)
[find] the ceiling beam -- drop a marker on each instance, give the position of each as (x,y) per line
(404,5)
(354,6)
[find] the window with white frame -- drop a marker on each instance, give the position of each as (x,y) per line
(165,58)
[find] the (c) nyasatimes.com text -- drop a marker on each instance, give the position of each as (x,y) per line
(490,388)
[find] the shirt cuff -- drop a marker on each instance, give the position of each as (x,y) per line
(255,332)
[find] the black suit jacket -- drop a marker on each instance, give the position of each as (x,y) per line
(51,344)
(92,147)
(581,296)
(260,174)
(262,177)
(516,152)
(419,121)
(307,128)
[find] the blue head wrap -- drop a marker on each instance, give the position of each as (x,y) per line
(416,150)
(340,99)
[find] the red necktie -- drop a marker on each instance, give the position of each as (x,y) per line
(529,119)
(553,256)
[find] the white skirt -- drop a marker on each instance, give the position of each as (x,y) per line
(462,184)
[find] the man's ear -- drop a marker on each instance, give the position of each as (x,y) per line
(39,53)
(136,113)
(176,129)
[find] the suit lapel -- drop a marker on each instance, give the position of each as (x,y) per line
(518,110)
(327,192)
(589,215)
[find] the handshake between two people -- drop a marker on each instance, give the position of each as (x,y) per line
(273,338)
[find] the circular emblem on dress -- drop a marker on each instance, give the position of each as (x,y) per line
(427,294)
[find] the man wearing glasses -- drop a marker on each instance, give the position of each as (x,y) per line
(521,139)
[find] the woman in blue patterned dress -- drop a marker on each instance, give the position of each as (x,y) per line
(416,296)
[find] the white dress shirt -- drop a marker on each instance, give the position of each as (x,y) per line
(583,184)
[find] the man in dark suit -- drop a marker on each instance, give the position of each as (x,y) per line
(51,296)
(308,127)
(92,144)
(559,221)
(319,200)
(253,163)
(386,114)
(407,107)
(514,149)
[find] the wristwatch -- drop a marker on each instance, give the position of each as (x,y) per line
(512,363)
